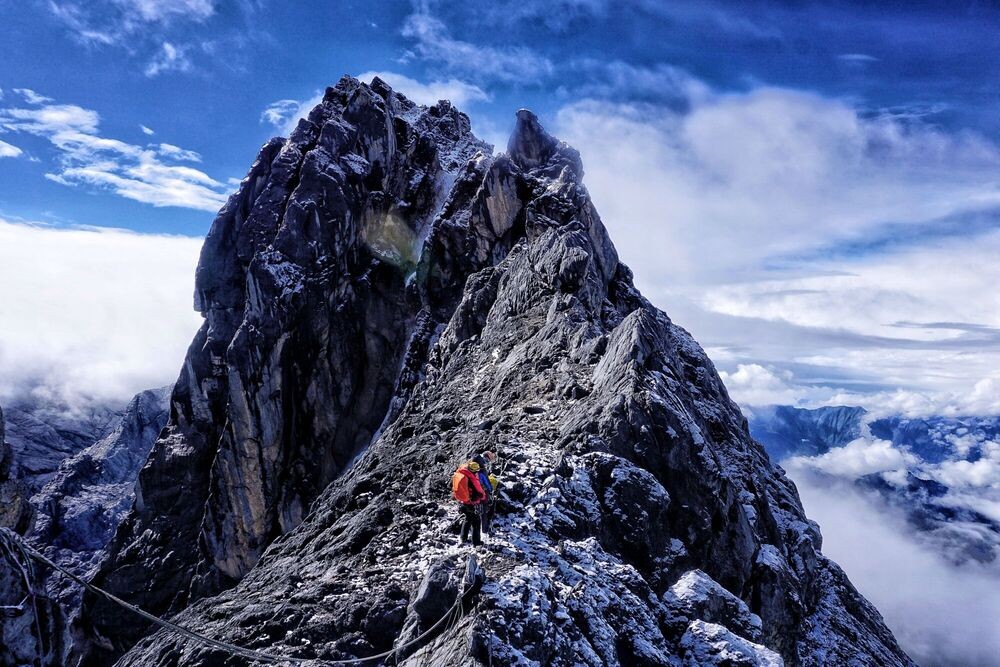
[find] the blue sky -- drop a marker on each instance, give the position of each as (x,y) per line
(200,72)
(811,188)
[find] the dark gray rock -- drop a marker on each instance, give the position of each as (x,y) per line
(383,296)
(81,507)
(787,431)
(16,512)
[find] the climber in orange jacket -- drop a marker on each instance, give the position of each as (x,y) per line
(468,490)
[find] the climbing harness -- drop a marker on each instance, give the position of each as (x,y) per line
(15,544)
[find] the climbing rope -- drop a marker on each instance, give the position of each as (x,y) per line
(9,537)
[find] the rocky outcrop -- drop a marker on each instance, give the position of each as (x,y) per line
(15,511)
(71,519)
(383,296)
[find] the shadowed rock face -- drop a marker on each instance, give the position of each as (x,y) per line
(15,511)
(383,296)
(28,626)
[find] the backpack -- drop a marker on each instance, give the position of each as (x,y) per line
(466,488)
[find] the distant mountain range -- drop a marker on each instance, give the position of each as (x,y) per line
(941,472)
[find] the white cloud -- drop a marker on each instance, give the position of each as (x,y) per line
(9,150)
(857,58)
(753,384)
(147,131)
(433,41)
(983,398)
(162,10)
(134,172)
(731,209)
(886,294)
(107,22)
(984,472)
(941,614)
(739,179)
(31,97)
(617,80)
(170,58)
(457,92)
(285,114)
(178,153)
(859,457)
(92,314)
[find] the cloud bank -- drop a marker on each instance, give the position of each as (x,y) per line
(818,253)
(943,615)
(92,314)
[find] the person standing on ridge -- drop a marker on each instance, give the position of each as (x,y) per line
(467,489)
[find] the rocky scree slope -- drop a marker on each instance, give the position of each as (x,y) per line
(382,296)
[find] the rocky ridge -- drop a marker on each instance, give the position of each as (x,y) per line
(384,295)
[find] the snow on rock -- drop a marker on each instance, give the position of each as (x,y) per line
(698,596)
(706,644)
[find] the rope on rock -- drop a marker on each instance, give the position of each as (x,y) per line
(9,538)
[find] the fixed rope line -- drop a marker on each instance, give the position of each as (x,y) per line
(251,654)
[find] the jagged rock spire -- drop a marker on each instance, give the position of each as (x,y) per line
(530,145)
(334,389)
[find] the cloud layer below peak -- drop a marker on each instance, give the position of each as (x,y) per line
(92,314)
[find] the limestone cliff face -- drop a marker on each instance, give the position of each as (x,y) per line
(384,295)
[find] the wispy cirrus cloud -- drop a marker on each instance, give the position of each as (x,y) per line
(108,22)
(31,97)
(162,36)
(459,93)
(432,40)
(170,58)
(148,174)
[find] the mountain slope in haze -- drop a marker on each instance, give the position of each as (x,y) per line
(383,296)
(43,434)
(940,473)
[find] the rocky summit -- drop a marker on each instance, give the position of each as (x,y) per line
(384,296)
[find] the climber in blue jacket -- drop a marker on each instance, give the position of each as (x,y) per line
(489,482)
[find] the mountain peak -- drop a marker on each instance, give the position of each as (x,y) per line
(382,297)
